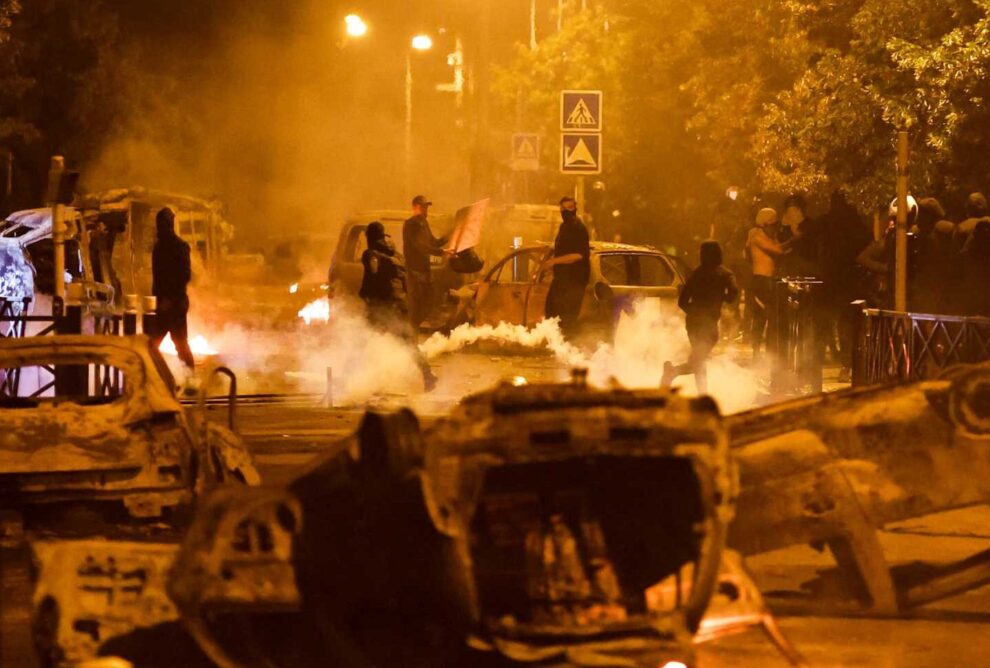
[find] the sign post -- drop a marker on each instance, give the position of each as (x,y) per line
(900,229)
(581,137)
(525,152)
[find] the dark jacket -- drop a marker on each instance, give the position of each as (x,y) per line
(572,237)
(384,280)
(418,244)
(709,286)
(171,269)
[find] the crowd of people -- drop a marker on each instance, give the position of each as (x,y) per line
(836,261)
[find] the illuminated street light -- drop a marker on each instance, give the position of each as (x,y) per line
(422,42)
(356,27)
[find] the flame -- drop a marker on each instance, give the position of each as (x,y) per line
(318,309)
(294,288)
(198,344)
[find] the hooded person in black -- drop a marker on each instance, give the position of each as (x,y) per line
(383,289)
(171,272)
(571,268)
(709,286)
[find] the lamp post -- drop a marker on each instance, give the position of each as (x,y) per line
(355,26)
(419,43)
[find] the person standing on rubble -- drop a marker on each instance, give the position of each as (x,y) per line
(171,271)
(571,268)
(383,289)
(701,299)
(419,244)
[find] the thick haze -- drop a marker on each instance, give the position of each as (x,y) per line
(266,106)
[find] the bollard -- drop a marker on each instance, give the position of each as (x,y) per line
(149,320)
(328,397)
(131,304)
(71,379)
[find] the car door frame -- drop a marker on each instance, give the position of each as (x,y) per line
(518,290)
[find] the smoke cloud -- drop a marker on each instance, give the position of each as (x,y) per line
(643,342)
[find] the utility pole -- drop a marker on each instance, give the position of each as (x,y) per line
(532,25)
(900,247)
(55,172)
(407,168)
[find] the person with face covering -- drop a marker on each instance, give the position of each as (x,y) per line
(571,268)
(383,289)
(701,299)
(171,272)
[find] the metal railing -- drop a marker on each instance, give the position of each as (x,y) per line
(106,381)
(893,346)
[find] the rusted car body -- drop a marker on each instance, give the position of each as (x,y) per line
(124,440)
(515,290)
(528,526)
(835,468)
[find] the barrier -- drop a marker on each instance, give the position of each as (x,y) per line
(893,346)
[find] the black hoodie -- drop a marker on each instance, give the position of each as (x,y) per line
(171,269)
(709,286)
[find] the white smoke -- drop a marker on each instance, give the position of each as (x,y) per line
(642,343)
(368,364)
(364,361)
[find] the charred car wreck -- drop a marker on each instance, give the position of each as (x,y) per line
(537,523)
(529,525)
(833,469)
(122,443)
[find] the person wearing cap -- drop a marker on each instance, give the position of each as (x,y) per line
(171,271)
(763,252)
(418,244)
(571,268)
(383,289)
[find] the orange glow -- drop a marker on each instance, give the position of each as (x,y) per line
(422,42)
(198,344)
(318,309)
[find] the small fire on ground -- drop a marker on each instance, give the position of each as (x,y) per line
(316,310)
(198,344)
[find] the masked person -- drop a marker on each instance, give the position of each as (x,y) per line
(571,268)
(383,289)
(419,244)
(171,272)
(701,299)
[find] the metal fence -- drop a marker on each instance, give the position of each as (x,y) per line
(102,381)
(892,346)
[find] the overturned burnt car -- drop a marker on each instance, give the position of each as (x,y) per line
(119,442)
(528,526)
(833,469)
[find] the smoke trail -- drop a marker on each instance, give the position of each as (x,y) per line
(642,343)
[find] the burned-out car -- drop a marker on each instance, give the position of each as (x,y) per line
(515,289)
(530,525)
(94,421)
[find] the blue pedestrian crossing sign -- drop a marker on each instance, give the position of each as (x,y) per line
(581,111)
(525,152)
(580,153)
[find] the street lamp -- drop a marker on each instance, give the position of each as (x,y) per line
(422,42)
(419,43)
(355,26)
